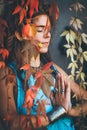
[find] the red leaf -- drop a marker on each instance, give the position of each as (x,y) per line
(5,53)
(54,10)
(33,5)
(25,67)
(17,9)
(38,121)
(30,95)
(38,74)
(22,14)
(47,66)
(2,64)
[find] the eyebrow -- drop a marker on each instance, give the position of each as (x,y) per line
(40,26)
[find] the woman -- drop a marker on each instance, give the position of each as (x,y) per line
(38,89)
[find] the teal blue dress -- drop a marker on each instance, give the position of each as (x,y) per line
(64,123)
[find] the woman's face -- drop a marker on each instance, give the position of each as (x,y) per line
(43,34)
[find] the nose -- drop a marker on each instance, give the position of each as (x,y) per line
(47,34)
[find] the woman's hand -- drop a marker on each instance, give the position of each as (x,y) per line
(63,96)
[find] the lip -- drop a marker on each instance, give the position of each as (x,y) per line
(45,43)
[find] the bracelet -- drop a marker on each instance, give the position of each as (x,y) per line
(56,113)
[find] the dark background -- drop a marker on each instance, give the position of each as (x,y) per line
(56,48)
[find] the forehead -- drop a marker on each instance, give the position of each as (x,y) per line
(42,20)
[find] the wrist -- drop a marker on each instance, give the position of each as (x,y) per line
(56,113)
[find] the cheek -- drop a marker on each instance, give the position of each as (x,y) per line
(38,37)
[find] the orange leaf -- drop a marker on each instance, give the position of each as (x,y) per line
(25,30)
(17,9)
(2,64)
(25,67)
(47,66)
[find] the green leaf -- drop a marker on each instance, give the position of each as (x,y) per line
(84,37)
(64,33)
(85,55)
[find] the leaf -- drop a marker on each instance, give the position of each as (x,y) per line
(38,74)
(2,64)
(25,30)
(17,9)
(33,5)
(47,66)
(25,67)
(29,97)
(84,37)
(54,10)
(22,14)
(64,33)
(85,55)
(38,121)
(5,53)
(77,6)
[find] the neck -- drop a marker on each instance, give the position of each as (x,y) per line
(35,61)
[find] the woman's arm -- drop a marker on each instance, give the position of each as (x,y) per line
(77,90)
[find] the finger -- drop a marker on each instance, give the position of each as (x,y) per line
(58,84)
(62,85)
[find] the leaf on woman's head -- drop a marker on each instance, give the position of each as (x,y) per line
(22,15)
(33,6)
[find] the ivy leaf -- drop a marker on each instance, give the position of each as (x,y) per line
(76,23)
(85,55)
(29,97)
(54,10)
(64,33)
(25,67)
(78,7)
(33,6)
(47,66)
(73,66)
(17,9)
(84,37)
(2,64)
(5,53)
(22,15)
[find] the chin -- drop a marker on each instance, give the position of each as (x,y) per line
(44,50)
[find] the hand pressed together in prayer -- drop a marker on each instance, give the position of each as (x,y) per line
(63,96)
